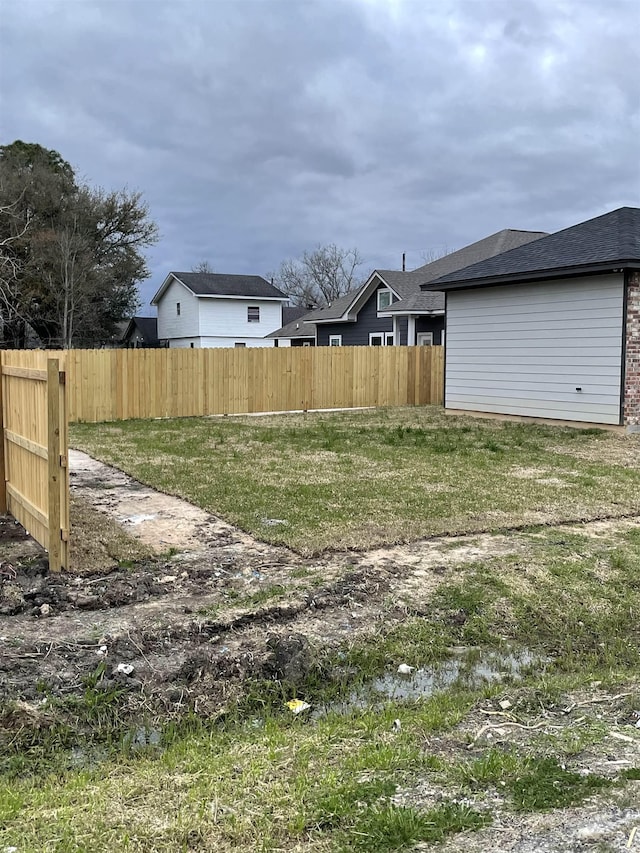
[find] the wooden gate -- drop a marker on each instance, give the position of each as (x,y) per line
(34,474)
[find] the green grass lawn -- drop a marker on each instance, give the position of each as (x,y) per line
(359,479)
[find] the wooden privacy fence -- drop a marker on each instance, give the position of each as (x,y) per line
(107,385)
(34,476)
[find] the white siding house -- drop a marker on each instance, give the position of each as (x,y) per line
(550,329)
(216,310)
(551,349)
(178,315)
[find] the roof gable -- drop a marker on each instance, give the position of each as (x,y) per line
(610,240)
(146,326)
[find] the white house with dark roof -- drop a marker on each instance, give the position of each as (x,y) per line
(550,329)
(217,310)
(391,309)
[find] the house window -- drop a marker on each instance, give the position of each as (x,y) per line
(424,339)
(238,345)
(253,314)
(380,339)
(384,298)
(335,340)
(178,309)
(306,343)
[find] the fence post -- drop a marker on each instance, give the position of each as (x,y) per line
(53,442)
(63,396)
(3,472)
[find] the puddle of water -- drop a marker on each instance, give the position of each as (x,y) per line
(138,741)
(143,738)
(86,757)
(138,519)
(468,667)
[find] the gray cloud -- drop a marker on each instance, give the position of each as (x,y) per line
(259,128)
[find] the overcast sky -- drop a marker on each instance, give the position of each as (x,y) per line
(257,129)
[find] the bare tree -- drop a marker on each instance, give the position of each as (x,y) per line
(68,266)
(430,255)
(202,266)
(13,320)
(321,276)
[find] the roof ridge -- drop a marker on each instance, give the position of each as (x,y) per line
(607,239)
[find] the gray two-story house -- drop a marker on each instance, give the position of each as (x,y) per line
(391,309)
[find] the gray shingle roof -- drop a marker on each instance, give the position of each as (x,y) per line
(418,302)
(610,240)
(488,247)
(337,307)
(295,328)
(221,284)
(407,284)
(292,312)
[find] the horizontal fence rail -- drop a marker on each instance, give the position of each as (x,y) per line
(109,385)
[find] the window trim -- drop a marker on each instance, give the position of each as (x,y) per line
(422,343)
(386,339)
(380,291)
(254,319)
(335,340)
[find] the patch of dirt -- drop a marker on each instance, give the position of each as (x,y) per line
(11,531)
(155,519)
(605,827)
(604,821)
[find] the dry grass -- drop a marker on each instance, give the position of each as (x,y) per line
(361,479)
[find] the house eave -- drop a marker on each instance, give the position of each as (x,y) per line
(415,313)
(341,319)
(535,275)
(254,298)
(290,337)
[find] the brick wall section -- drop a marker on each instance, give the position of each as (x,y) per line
(632,371)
